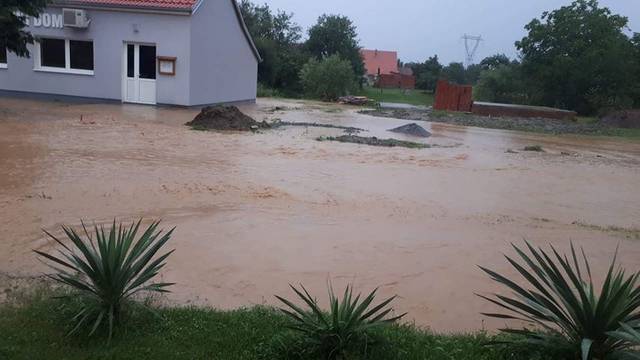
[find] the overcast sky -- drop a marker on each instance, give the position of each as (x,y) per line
(418,29)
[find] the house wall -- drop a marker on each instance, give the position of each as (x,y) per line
(109,30)
(223,65)
(379,62)
(396,81)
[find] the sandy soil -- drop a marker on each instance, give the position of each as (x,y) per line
(255,212)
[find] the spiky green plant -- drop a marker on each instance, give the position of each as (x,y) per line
(629,333)
(346,322)
(108,269)
(564,306)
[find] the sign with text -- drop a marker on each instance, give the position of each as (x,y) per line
(46,20)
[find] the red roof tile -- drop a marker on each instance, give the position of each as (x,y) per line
(152,4)
(385,61)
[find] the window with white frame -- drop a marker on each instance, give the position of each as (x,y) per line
(3,57)
(64,55)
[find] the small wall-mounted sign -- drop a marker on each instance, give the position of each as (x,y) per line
(167,65)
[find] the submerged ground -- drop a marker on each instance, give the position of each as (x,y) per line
(255,212)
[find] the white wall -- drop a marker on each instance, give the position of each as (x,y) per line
(109,30)
(223,65)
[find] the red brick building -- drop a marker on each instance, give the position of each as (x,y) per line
(382,70)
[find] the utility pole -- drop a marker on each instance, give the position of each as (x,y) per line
(471,44)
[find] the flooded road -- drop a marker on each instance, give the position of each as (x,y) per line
(255,212)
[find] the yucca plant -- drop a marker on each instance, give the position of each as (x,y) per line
(344,324)
(629,333)
(562,303)
(107,269)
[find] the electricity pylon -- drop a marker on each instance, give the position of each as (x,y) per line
(471,44)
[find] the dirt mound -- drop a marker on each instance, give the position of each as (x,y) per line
(225,118)
(628,119)
(412,129)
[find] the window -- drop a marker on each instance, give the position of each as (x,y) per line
(131,55)
(52,53)
(147,62)
(81,54)
(3,57)
(67,56)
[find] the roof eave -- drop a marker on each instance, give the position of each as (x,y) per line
(245,29)
(115,7)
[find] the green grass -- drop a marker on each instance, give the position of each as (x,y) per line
(36,329)
(620,132)
(412,97)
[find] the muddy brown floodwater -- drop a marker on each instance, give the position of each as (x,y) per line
(255,212)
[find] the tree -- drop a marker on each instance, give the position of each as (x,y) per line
(503,83)
(427,73)
(580,58)
(495,61)
(636,90)
(13,16)
(455,73)
(336,35)
(263,23)
(472,74)
(276,36)
(328,78)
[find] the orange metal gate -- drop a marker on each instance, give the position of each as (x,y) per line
(451,97)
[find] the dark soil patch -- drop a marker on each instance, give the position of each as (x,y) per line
(538,125)
(374,141)
(536,148)
(626,119)
(413,130)
(347,129)
(225,118)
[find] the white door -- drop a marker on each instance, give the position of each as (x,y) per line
(139,73)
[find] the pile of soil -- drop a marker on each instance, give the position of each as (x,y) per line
(412,129)
(628,119)
(225,118)
(374,141)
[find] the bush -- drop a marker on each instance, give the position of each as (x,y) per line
(265,91)
(327,79)
(503,84)
(565,306)
(108,270)
(346,325)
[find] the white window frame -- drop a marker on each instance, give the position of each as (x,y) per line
(67,59)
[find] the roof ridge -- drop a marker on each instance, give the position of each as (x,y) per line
(185,5)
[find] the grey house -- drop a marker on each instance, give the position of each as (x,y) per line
(178,52)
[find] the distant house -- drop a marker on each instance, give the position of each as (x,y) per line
(382,70)
(378,62)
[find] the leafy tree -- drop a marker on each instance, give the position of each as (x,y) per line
(504,83)
(336,35)
(276,37)
(580,58)
(455,73)
(13,16)
(328,78)
(263,23)
(495,61)
(472,74)
(636,90)
(427,73)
